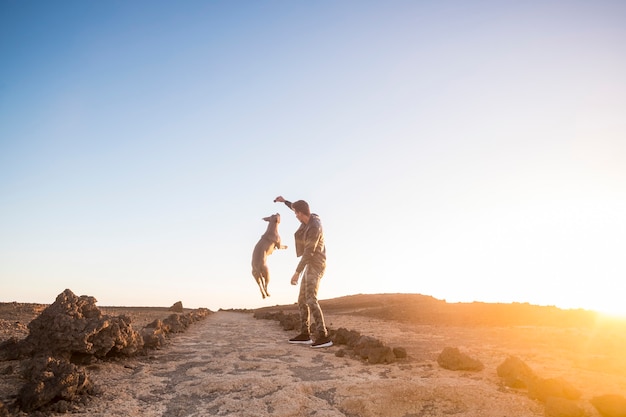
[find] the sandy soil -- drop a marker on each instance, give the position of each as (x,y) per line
(232,364)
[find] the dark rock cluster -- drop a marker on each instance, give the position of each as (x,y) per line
(559,396)
(455,360)
(52,380)
(515,373)
(366,348)
(287,321)
(610,405)
(72,332)
(73,327)
(154,334)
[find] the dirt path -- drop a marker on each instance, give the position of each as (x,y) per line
(234,365)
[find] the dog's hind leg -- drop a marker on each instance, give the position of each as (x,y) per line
(265,279)
(258,277)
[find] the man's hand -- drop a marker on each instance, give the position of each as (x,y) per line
(294,278)
(279,199)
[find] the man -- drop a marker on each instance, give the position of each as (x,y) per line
(309,245)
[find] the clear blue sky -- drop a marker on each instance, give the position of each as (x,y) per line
(464,150)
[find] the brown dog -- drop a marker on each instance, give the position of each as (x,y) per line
(266,245)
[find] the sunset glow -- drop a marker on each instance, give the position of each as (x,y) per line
(467,151)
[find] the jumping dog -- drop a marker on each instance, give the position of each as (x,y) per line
(266,245)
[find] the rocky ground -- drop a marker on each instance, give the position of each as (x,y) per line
(232,363)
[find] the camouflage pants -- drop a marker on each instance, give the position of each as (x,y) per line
(307,302)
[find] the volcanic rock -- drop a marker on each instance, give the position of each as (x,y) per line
(177,323)
(177,307)
(454,360)
(154,334)
(287,321)
(49,380)
(363,346)
(74,326)
(382,354)
(400,352)
(610,405)
(373,350)
(73,331)
(515,372)
(543,388)
(562,407)
(343,336)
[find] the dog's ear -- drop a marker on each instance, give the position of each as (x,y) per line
(267,219)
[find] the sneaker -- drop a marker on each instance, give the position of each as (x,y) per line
(302,338)
(322,342)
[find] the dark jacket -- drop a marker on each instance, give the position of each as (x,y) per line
(310,243)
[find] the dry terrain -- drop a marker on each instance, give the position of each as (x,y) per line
(232,364)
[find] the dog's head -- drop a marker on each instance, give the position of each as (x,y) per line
(273,218)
